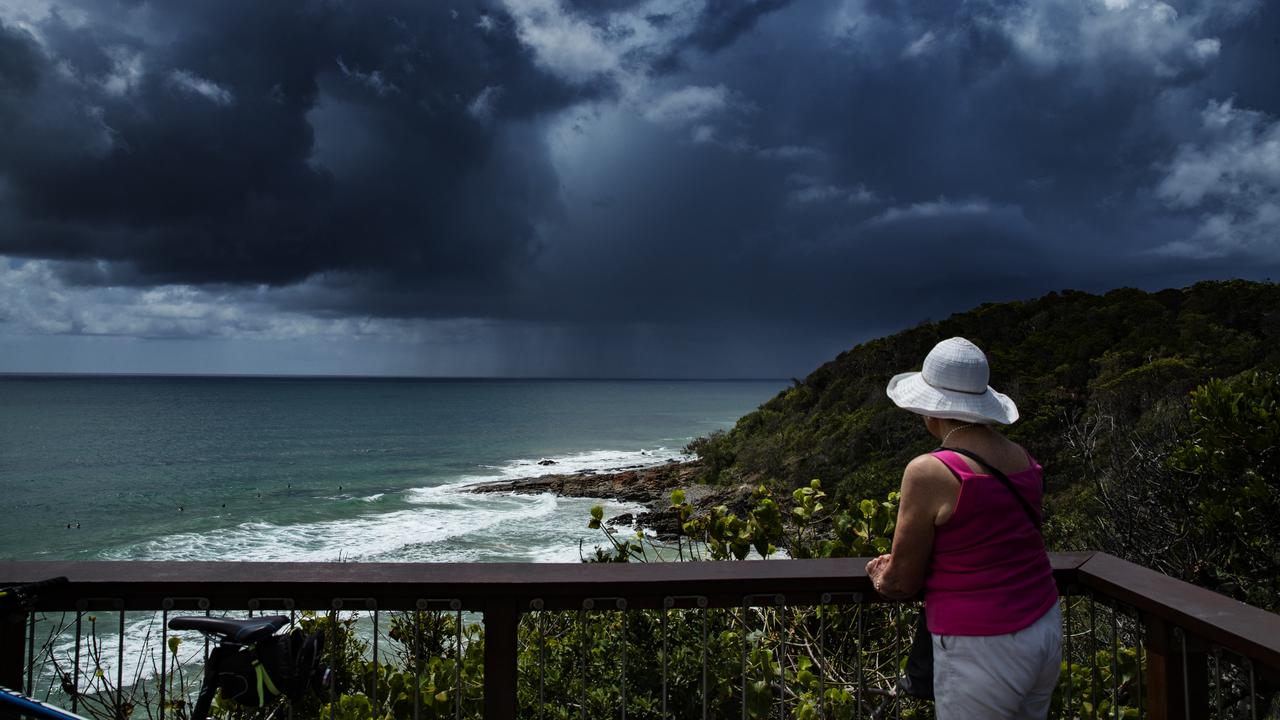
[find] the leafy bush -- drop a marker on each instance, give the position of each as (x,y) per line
(1230,472)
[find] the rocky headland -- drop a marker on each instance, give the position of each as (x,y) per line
(649,485)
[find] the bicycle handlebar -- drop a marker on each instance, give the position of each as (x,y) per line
(21,595)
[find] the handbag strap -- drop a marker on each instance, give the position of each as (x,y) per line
(1004,480)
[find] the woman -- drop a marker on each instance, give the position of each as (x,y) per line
(991,603)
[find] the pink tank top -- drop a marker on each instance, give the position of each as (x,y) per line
(989,574)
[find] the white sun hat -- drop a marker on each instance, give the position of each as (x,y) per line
(953,385)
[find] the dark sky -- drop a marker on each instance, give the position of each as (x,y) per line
(711,188)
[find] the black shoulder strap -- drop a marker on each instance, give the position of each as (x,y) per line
(1004,480)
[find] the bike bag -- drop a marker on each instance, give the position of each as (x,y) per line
(254,675)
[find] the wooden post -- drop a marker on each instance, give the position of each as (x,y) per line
(501,619)
(13,649)
(1171,658)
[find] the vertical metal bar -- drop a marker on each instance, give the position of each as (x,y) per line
(31,653)
(75,672)
(542,659)
(897,660)
(822,654)
(1140,648)
(782,657)
(374,692)
(1217,682)
(1115,664)
(288,704)
(743,634)
(622,606)
(858,657)
(417,658)
(1066,602)
(334,656)
(120,662)
(1093,653)
(164,652)
(666,603)
(457,656)
(703,602)
(582,654)
(253,605)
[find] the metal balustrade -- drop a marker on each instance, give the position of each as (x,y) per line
(1133,638)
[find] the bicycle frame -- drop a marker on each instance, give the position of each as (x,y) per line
(16,702)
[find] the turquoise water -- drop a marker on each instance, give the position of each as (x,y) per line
(325,469)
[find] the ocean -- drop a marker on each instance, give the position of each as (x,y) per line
(327,469)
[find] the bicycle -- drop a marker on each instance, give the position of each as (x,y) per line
(13,703)
(244,650)
(237,665)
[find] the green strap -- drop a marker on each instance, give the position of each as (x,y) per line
(263,677)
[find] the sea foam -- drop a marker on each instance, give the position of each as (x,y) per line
(444,523)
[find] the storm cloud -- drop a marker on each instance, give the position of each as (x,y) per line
(676,175)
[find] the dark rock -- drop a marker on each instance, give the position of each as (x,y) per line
(546,462)
(644,484)
(648,485)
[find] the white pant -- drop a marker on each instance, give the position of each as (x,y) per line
(998,677)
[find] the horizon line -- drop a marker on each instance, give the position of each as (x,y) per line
(334,376)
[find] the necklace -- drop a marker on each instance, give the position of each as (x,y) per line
(954,430)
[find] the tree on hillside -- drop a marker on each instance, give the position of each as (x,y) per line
(1197,498)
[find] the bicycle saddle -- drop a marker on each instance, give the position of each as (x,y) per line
(237,631)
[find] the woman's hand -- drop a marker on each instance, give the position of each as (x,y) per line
(876,568)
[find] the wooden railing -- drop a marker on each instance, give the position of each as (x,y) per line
(1182,625)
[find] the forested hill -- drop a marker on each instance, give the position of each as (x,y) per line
(1069,359)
